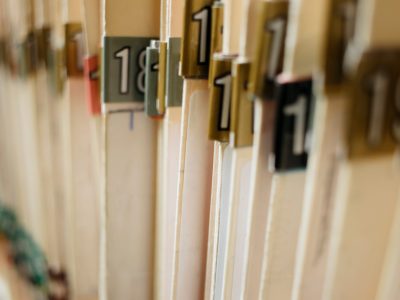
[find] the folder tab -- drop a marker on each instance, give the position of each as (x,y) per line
(124,68)
(292,129)
(74,49)
(242,111)
(162,70)
(92,77)
(270,44)
(217,25)
(174,86)
(44,44)
(341,22)
(220,98)
(375,109)
(57,70)
(195,54)
(28,54)
(151,81)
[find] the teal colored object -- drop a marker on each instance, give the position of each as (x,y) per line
(27,255)
(29,259)
(8,222)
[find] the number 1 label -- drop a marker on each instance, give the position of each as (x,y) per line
(203,16)
(224,83)
(375,110)
(292,125)
(196,39)
(220,98)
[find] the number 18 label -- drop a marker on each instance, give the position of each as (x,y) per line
(124,68)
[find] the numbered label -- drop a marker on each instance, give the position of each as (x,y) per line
(224,83)
(277,29)
(292,125)
(271,33)
(195,56)
(46,46)
(28,59)
(375,111)
(242,112)
(220,97)
(124,69)
(91,70)
(74,49)
(124,57)
(203,17)
(56,66)
(341,32)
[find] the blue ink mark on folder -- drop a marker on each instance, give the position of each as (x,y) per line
(131,123)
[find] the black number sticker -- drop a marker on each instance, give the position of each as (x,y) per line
(375,115)
(292,125)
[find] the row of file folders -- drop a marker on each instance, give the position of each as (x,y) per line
(199,149)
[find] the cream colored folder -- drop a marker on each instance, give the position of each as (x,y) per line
(361,225)
(286,202)
(195,174)
(235,262)
(129,161)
